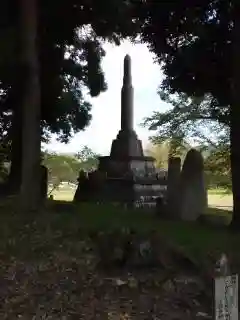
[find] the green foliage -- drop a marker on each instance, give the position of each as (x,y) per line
(192,41)
(64,167)
(191,119)
(162,149)
(217,166)
(61,168)
(88,158)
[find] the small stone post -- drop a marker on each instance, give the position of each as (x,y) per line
(192,189)
(174,170)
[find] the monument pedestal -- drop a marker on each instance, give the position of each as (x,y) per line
(127,157)
(121,167)
(130,179)
(135,192)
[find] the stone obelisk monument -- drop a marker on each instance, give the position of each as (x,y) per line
(129,175)
(127,144)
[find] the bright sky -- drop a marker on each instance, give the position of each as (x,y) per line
(106,111)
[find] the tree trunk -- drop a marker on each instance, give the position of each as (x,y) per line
(31,135)
(235,166)
(235,121)
(15,175)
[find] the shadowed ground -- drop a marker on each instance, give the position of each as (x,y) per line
(52,264)
(82,262)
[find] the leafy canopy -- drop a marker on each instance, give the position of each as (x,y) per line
(70,40)
(188,119)
(192,42)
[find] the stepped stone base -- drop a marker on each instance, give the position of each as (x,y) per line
(142,193)
(126,145)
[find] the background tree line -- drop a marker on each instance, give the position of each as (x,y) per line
(187,122)
(66,167)
(61,167)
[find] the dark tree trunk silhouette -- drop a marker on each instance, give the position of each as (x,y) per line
(31,132)
(235,120)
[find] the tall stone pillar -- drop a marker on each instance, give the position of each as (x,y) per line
(127,97)
(126,144)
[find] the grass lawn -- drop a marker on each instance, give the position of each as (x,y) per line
(64,194)
(217,198)
(219,210)
(34,237)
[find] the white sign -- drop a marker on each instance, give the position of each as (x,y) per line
(226,298)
